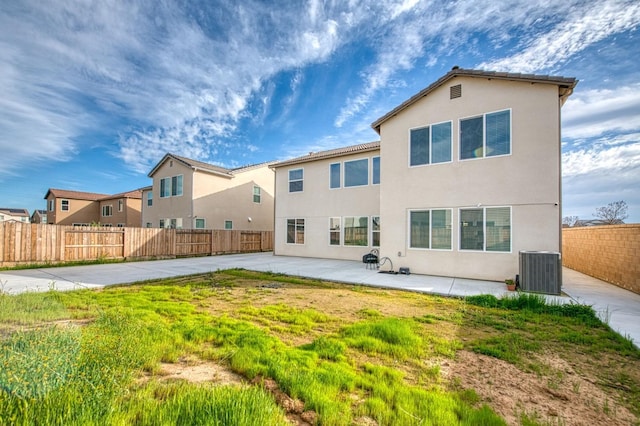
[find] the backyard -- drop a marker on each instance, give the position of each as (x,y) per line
(237,347)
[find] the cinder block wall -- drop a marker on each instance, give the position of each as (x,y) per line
(610,253)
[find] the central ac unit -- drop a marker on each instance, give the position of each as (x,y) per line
(541,272)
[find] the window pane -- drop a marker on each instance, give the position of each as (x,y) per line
(375,231)
(356,173)
(256,194)
(419,147)
(334,231)
(165,187)
(335,176)
(375,161)
(199,223)
(441,143)
(228,224)
(176,185)
(419,229)
(356,231)
(295,186)
(441,229)
(471,138)
(498,133)
(471,229)
(295,174)
(499,229)
(299,231)
(295,180)
(149,198)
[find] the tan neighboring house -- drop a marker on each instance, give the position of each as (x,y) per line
(16,215)
(469,174)
(39,216)
(190,194)
(79,208)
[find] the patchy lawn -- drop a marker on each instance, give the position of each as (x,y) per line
(275,350)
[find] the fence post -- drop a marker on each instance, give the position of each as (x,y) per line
(125,239)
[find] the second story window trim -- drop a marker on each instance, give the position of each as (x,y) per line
(430,144)
(257,194)
(64,205)
(356,172)
(171,186)
(486,135)
(334,175)
(296,180)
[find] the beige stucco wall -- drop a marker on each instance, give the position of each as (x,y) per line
(80,211)
(317,203)
(528,180)
(217,199)
(129,216)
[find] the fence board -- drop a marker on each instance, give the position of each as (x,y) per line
(44,243)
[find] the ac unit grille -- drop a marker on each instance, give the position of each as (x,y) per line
(540,272)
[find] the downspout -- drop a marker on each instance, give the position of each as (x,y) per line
(560,174)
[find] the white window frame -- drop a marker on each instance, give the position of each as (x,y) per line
(165,187)
(179,185)
(374,231)
(334,230)
(344,172)
(52,205)
(297,222)
(339,176)
(257,194)
(372,169)
(107,210)
(64,202)
(295,180)
(150,199)
(484,135)
(430,144)
(344,229)
(484,229)
(430,211)
(204,223)
(120,205)
(229,223)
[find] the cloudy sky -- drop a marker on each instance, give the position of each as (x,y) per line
(94,93)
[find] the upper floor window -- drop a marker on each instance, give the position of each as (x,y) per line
(356,172)
(107,210)
(150,198)
(430,145)
(256,194)
(334,179)
(296,180)
(64,205)
(375,166)
(51,205)
(488,135)
(171,186)
(120,205)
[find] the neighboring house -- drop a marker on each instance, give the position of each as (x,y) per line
(469,176)
(328,203)
(39,216)
(16,215)
(191,194)
(124,209)
(87,208)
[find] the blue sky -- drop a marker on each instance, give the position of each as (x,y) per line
(94,93)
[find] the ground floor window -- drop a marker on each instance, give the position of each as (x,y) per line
(334,231)
(356,231)
(295,231)
(430,229)
(375,231)
(486,229)
(199,223)
(228,224)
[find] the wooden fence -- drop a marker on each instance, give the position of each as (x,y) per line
(23,243)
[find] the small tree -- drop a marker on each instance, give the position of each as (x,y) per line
(613,213)
(570,221)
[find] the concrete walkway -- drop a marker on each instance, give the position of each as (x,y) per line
(617,307)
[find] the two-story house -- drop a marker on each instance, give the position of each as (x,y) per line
(191,194)
(468,175)
(79,208)
(8,214)
(39,216)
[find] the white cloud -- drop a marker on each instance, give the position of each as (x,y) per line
(614,159)
(584,25)
(595,112)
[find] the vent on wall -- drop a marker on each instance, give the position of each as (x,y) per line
(455,91)
(540,272)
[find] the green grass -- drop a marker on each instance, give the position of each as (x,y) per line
(367,364)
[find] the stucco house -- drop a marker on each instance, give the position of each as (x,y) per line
(39,216)
(191,194)
(79,208)
(15,215)
(468,175)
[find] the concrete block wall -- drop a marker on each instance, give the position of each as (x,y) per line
(610,253)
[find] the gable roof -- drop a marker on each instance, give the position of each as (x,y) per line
(136,193)
(74,195)
(196,165)
(565,87)
(332,153)
(14,212)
